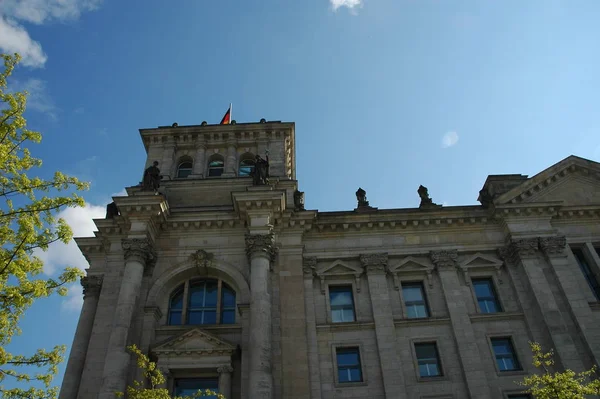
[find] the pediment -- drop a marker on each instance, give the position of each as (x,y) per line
(197,342)
(339,268)
(410,264)
(573,181)
(482,261)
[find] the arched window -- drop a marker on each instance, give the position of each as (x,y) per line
(246,165)
(206,301)
(185,168)
(216,165)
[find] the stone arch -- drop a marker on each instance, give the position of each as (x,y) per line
(158,295)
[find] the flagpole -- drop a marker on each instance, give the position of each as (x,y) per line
(230,112)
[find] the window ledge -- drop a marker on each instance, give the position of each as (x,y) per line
(349,326)
(207,327)
(432,379)
(511,373)
(350,384)
(495,316)
(422,320)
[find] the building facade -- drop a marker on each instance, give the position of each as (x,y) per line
(229,283)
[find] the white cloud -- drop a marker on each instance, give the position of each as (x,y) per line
(351,4)
(15,39)
(449,139)
(38,99)
(74,299)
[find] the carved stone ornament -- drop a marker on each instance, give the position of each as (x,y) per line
(91,285)
(260,243)
(519,249)
(375,263)
(553,246)
(224,369)
(309,266)
(201,259)
(140,248)
(446,259)
(298,200)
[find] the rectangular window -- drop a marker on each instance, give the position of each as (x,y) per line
(505,354)
(428,359)
(348,364)
(414,300)
(587,272)
(486,295)
(189,386)
(342,303)
(520,396)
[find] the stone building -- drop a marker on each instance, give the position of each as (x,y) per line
(229,283)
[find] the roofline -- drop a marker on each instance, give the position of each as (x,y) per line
(217,126)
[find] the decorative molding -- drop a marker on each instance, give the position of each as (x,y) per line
(519,249)
(411,265)
(479,261)
(92,285)
(553,246)
(154,310)
(374,263)
(445,259)
(202,259)
(227,369)
(261,244)
(339,268)
(309,266)
(209,345)
(140,248)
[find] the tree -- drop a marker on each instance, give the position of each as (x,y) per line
(155,378)
(559,384)
(28,222)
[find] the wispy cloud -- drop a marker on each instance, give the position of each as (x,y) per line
(79,110)
(449,139)
(14,36)
(74,299)
(351,4)
(39,99)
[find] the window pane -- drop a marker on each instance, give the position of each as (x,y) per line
(587,272)
(189,386)
(486,296)
(177,300)
(483,288)
(348,363)
(246,167)
(347,358)
(425,351)
(228,297)
(428,359)
(228,317)
(412,293)
(184,169)
(174,317)
(338,297)
(505,354)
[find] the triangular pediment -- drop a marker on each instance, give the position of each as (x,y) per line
(339,268)
(479,260)
(573,181)
(410,264)
(195,341)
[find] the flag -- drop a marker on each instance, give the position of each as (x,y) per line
(227,117)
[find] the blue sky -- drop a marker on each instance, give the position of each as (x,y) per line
(386,94)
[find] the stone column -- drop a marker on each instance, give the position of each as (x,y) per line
(260,249)
(91,292)
(244,312)
(525,252)
(311,328)
(456,297)
(570,282)
(385,332)
(199,166)
(137,253)
(225,380)
(231,159)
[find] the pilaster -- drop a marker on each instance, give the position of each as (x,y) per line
(455,293)
(375,266)
(225,380)
(308,268)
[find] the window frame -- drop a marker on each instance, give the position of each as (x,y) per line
(186,295)
(181,162)
(517,394)
(421,283)
(427,340)
(246,157)
(175,379)
(509,337)
(589,263)
(340,283)
(496,298)
(348,345)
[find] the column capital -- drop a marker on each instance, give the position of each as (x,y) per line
(374,263)
(261,245)
(140,248)
(309,266)
(227,369)
(517,249)
(553,246)
(91,285)
(445,259)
